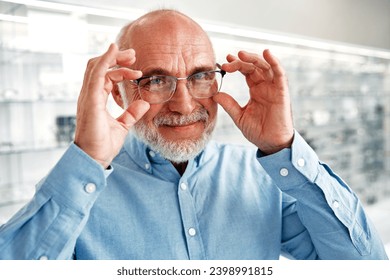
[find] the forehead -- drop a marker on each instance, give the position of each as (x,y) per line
(173,58)
(173,43)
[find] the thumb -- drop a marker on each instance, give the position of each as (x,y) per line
(133,113)
(229,104)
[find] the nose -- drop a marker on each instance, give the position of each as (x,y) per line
(182,101)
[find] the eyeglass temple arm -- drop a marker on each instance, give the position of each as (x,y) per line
(223,72)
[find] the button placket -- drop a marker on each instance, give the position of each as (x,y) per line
(190,221)
(183,186)
(192,231)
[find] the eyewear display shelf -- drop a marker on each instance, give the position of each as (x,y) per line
(37,121)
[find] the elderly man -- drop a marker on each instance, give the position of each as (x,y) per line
(164,191)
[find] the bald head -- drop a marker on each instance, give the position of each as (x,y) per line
(160,23)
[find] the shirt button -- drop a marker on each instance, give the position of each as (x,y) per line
(90,188)
(336,204)
(43,258)
(301,162)
(183,186)
(152,154)
(147,166)
(283,172)
(192,232)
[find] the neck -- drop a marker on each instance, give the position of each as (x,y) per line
(180,167)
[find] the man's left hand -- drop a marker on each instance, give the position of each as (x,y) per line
(266,120)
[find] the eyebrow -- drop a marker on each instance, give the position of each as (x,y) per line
(155,71)
(163,72)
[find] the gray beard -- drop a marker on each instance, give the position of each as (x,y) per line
(175,151)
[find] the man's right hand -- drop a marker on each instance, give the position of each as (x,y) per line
(97,133)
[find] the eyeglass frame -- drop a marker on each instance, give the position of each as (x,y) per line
(176,79)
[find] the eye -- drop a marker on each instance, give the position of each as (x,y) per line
(154,82)
(204,76)
(199,76)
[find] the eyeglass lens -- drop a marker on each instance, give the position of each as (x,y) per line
(159,89)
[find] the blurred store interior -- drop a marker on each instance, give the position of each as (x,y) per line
(336,54)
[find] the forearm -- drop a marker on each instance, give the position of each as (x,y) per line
(326,206)
(49,225)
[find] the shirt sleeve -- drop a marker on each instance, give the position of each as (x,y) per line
(49,225)
(329,211)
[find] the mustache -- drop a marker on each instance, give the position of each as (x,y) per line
(176,119)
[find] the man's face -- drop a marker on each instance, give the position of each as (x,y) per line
(179,128)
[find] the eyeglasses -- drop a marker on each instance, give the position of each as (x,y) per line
(159,89)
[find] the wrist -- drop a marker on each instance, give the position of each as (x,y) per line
(272,148)
(105,163)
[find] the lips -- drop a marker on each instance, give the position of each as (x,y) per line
(181,125)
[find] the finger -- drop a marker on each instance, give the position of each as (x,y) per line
(255,59)
(251,65)
(133,113)
(231,57)
(121,74)
(274,63)
(102,64)
(277,68)
(229,104)
(259,62)
(125,57)
(238,65)
(235,64)
(255,78)
(112,58)
(253,73)
(94,77)
(95,80)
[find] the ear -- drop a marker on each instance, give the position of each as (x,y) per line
(117,95)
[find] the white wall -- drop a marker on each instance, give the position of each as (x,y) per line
(361,22)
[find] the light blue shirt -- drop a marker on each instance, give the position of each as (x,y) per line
(231,203)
